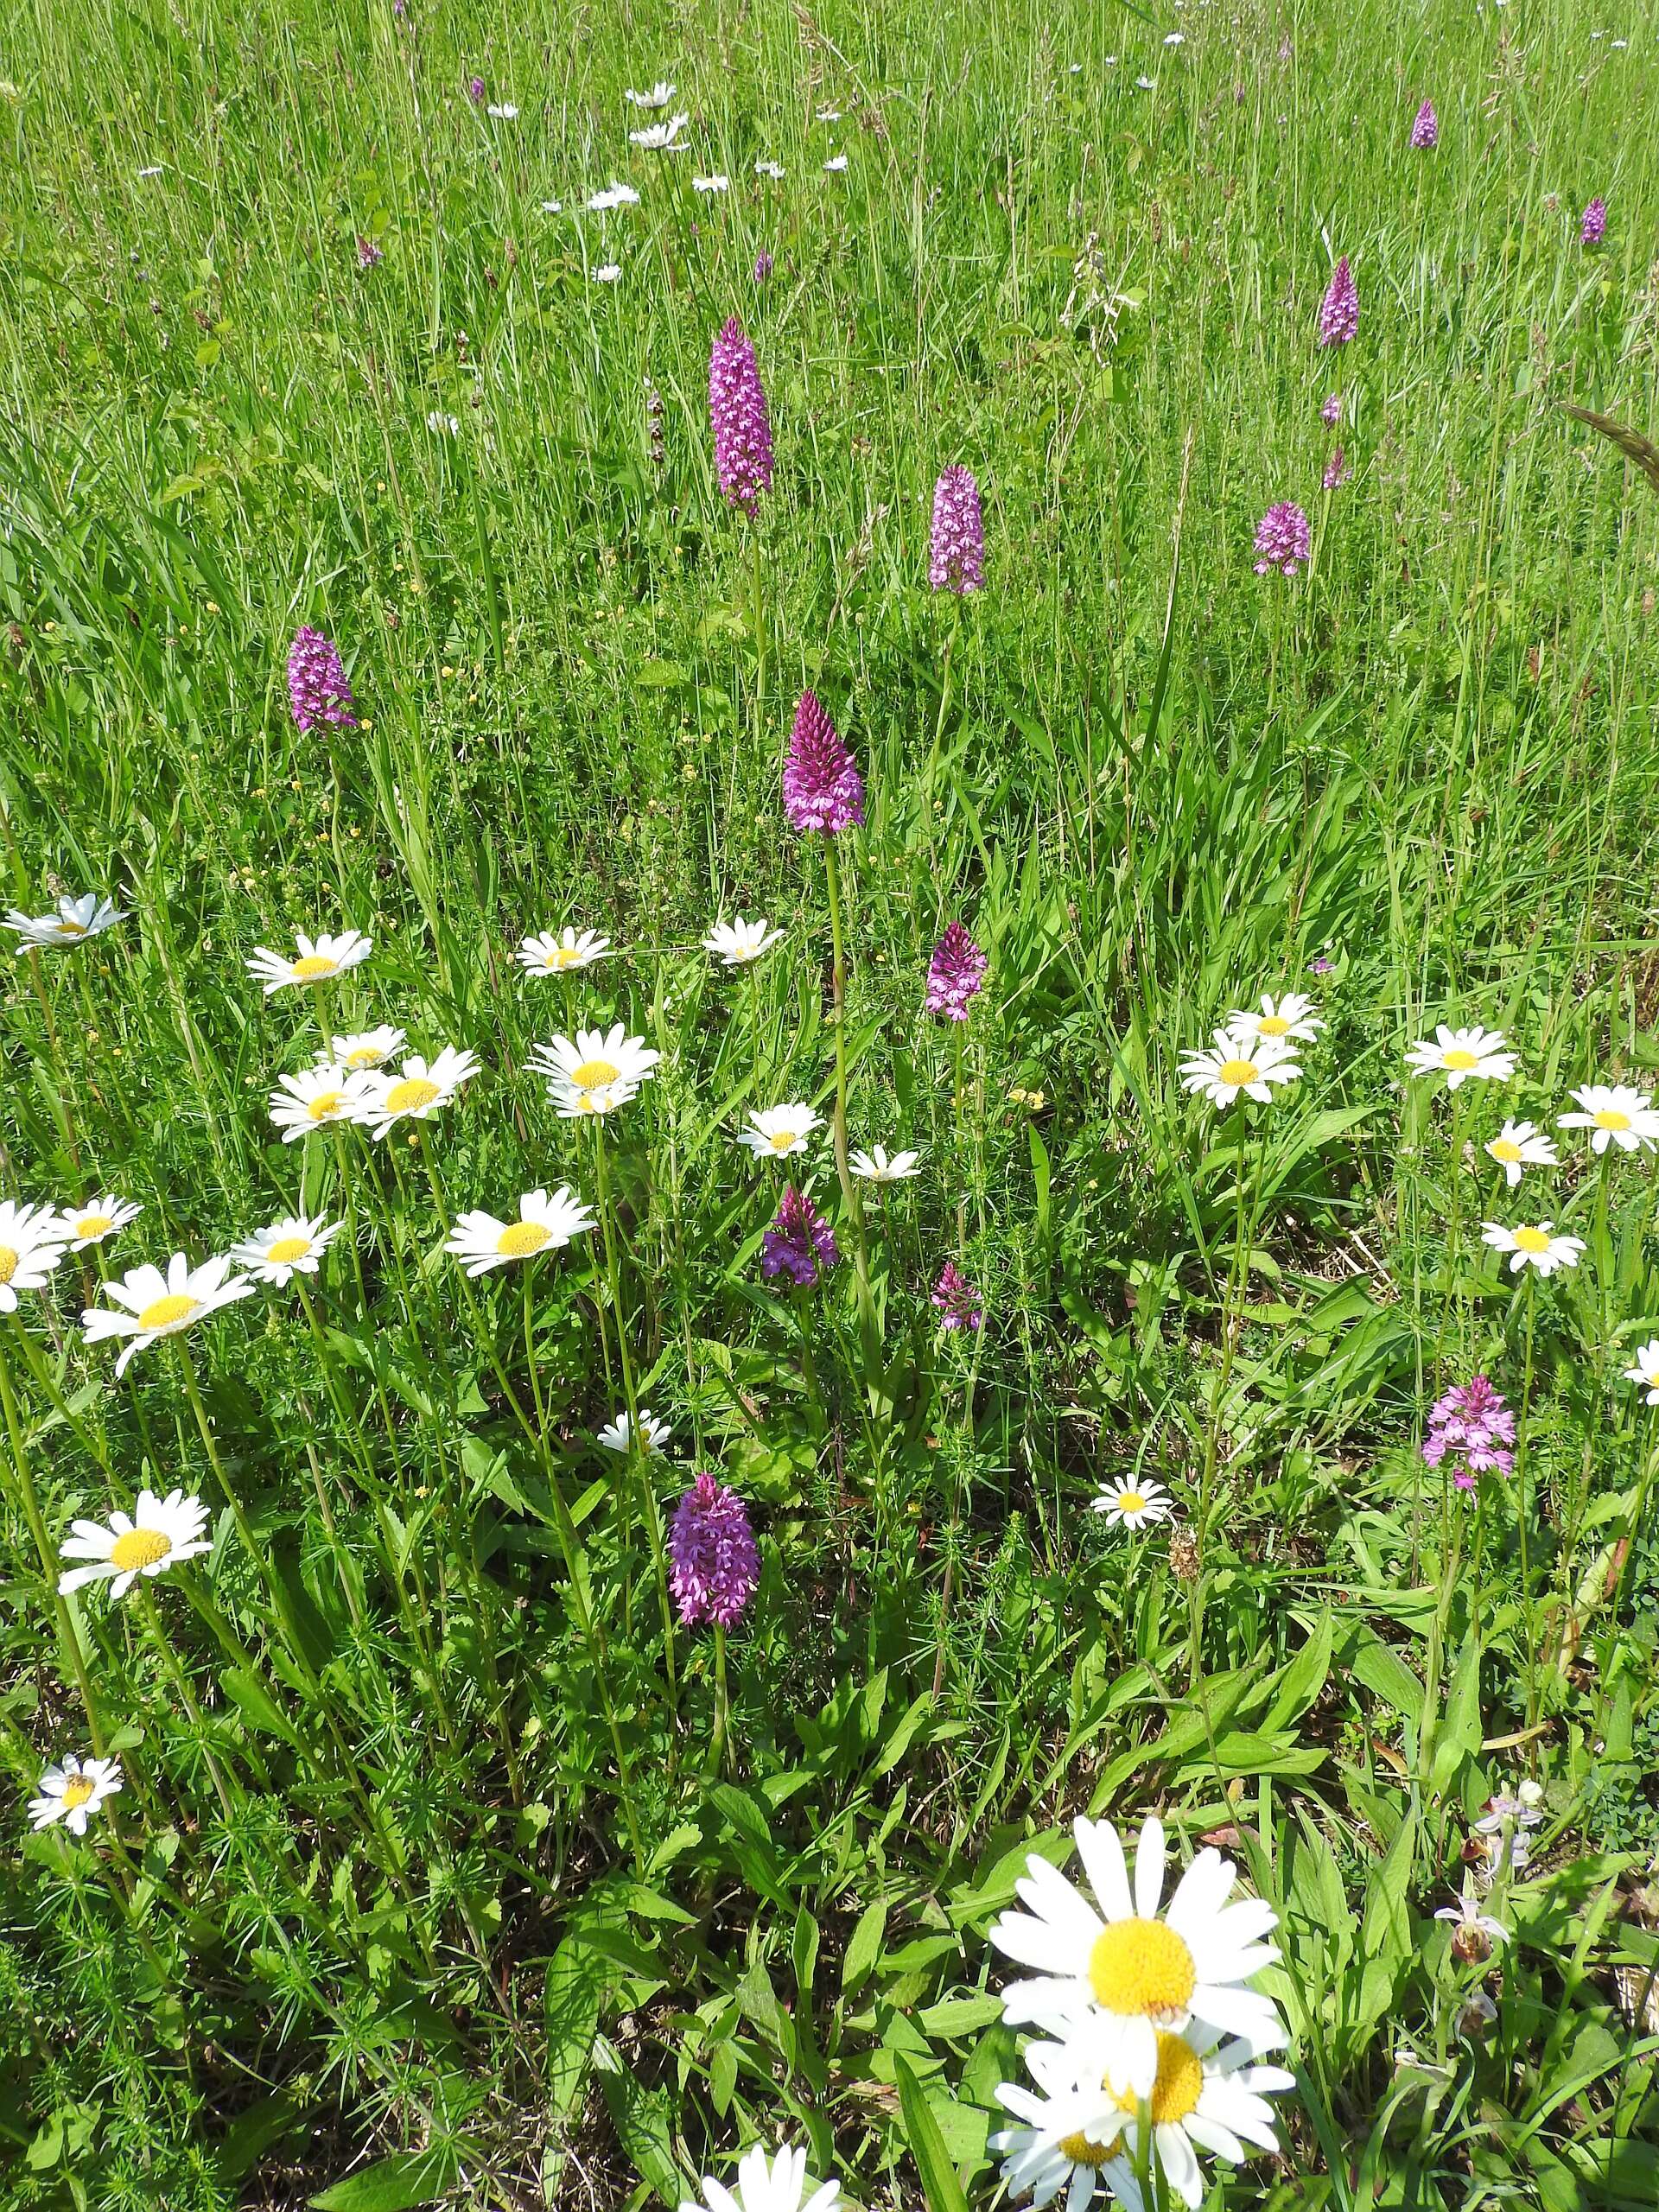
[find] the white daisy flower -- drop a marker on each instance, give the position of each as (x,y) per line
(578,1102)
(316,1096)
(738,942)
(596,1062)
(1645,1373)
(547,955)
(545,1224)
(1116,1964)
(1239,1067)
(32,1241)
(293,1246)
(1532,1247)
(1127,1503)
(617,1434)
(98,1218)
(835,163)
(779,2186)
(319,960)
(157,1534)
(72,1792)
(773,170)
(716,183)
(1291,1018)
(1174,38)
(608,272)
(1463,1054)
(157,1304)
(363,1049)
(1616,1114)
(658,95)
(661,137)
(503,111)
(1518,1145)
(417,1092)
(829,115)
(613,195)
(779,1131)
(74,921)
(442,425)
(877,1166)
(552,207)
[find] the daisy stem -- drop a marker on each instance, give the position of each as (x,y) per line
(29,1500)
(1146,2169)
(848,1188)
(1522,1472)
(1454,1238)
(95,1446)
(54,1046)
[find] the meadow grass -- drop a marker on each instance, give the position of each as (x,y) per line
(450,1866)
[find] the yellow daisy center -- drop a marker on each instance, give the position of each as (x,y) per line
(594,1075)
(1175,2093)
(314,968)
(94,1224)
(1130,1501)
(365,1056)
(1458,1060)
(1504,1149)
(163,1312)
(325,1105)
(8,1263)
(412,1093)
(75,1793)
(1532,1240)
(1273,1024)
(566,956)
(287,1249)
(1237,1073)
(523,1238)
(1083,2150)
(140,1548)
(1143,1970)
(781,1140)
(1611,1117)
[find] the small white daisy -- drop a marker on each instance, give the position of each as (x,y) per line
(658,95)
(1239,1067)
(153,1305)
(32,1241)
(157,1534)
(716,183)
(616,1435)
(319,960)
(737,943)
(580,1102)
(876,1166)
(835,163)
(1615,1114)
(74,921)
(72,1792)
(1291,1018)
(545,1224)
(1127,1503)
(612,195)
(779,2185)
(418,1091)
(1645,1373)
(661,137)
(608,272)
(1463,1055)
(1532,1247)
(291,1247)
(1518,1145)
(98,1218)
(316,1096)
(552,207)
(773,170)
(547,955)
(364,1048)
(597,1061)
(779,1131)
(503,111)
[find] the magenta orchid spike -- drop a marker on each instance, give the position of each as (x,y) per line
(1593,228)
(956,974)
(800,1242)
(317,688)
(959,1304)
(1473,1427)
(957,559)
(1282,539)
(1339,310)
(713,1564)
(1426,130)
(822,789)
(737,412)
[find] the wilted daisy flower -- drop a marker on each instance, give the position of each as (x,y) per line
(1592,229)
(73,921)
(153,1305)
(1282,539)
(1518,1145)
(957,548)
(317,961)
(317,688)
(714,1569)
(617,1434)
(956,975)
(98,1218)
(595,1063)
(547,955)
(778,1131)
(416,1092)
(1645,1373)
(822,789)
(1239,1067)
(800,1242)
(364,1048)
(1130,1503)
(1114,1964)
(291,1247)
(1291,1018)
(72,1792)
(32,1241)
(1339,310)
(658,95)
(1615,1114)
(1425,128)
(959,1304)
(157,1534)
(1532,1246)
(738,942)
(661,137)
(545,1224)
(1462,1056)
(876,1167)
(317,1096)
(739,420)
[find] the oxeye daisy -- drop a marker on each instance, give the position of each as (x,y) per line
(545,1224)
(878,1166)
(779,1131)
(1518,1146)
(363,1049)
(417,1092)
(1130,1503)
(1645,1373)
(617,1434)
(1052,2156)
(1614,1114)
(547,955)
(317,1096)
(318,960)
(291,1247)
(32,1241)
(1239,1067)
(659,96)
(1291,1018)
(1462,1056)
(157,1534)
(661,137)
(150,1304)
(71,1792)
(1532,1246)
(73,921)
(98,1218)
(576,1104)
(597,1061)
(738,942)
(1115,1964)
(777,2185)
